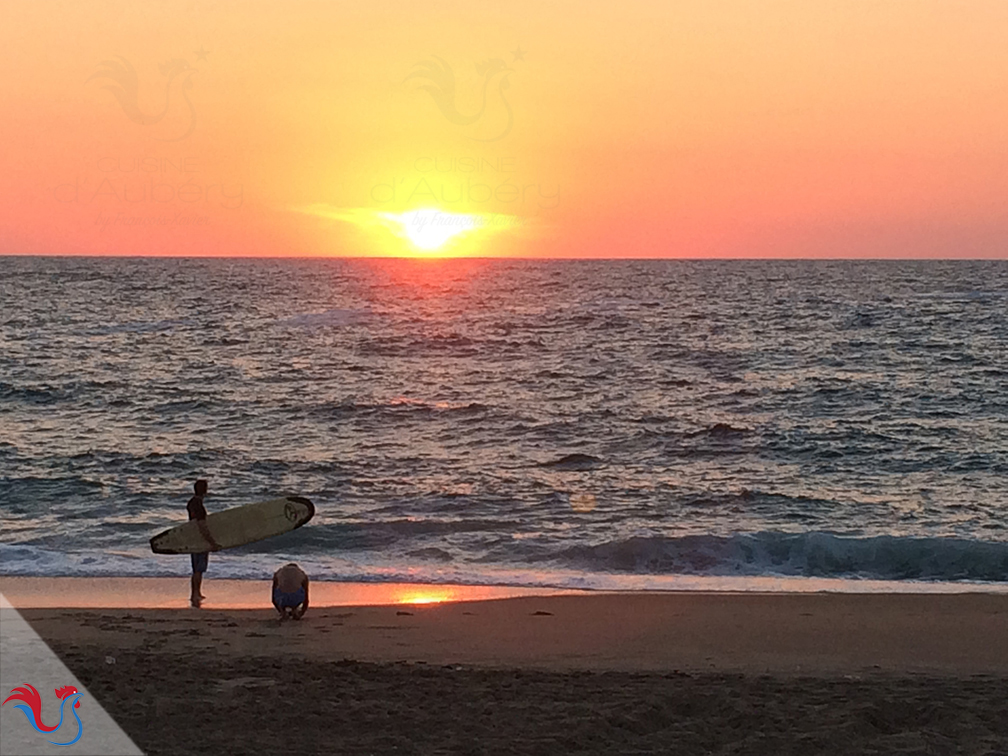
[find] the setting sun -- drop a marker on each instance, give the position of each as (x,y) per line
(420,231)
(430,229)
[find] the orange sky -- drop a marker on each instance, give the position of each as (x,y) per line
(637,129)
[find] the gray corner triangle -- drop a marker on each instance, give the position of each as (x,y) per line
(25,659)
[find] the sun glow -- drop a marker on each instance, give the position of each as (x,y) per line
(430,229)
(423,231)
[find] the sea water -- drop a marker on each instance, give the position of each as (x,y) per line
(613,424)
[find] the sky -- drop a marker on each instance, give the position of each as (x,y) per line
(638,129)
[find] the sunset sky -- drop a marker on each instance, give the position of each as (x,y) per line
(636,129)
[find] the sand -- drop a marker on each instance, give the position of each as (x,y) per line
(610,673)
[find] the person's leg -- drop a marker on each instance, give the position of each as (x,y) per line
(298,599)
(197,582)
(199,565)
(289,602)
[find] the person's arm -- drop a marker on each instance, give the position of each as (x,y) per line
(273,593)
(205,531)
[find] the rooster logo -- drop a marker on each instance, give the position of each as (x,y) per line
(33,710)
(125,86)
(440,85)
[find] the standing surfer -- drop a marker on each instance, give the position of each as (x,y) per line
(199,561)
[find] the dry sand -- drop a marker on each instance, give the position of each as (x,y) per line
(612,673)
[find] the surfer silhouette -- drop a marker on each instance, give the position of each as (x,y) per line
(290,591)
(199,561)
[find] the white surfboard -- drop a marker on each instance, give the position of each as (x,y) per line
(237,526)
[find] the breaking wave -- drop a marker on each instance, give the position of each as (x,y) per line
(799,555)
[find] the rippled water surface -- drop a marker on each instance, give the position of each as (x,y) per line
(572,423)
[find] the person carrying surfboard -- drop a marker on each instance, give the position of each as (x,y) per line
(200,561)
(290,591)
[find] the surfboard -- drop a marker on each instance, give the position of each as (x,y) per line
(237,526)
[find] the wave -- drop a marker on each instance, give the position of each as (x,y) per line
(335,538)
(721,431)
(575,462)
(32,492)
(400,406)
(154,326)
(814,554)
(431,553)
(41,394)
(640,563)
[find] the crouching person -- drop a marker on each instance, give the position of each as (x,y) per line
(290,591)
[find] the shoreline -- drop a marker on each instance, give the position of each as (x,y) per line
(822,633)
(228,593)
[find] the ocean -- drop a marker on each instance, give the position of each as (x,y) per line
(581,424)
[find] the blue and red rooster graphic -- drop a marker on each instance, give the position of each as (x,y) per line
(33,711)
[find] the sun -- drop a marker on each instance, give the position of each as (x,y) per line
(424,231)
(430,230)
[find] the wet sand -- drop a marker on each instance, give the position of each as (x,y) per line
(609,673)
(173,593)
(774,633)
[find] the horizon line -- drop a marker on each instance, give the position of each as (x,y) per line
(439,258)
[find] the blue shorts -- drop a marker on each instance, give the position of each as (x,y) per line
(292,600)
(200,561)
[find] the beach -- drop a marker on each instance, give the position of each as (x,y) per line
(586,673)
